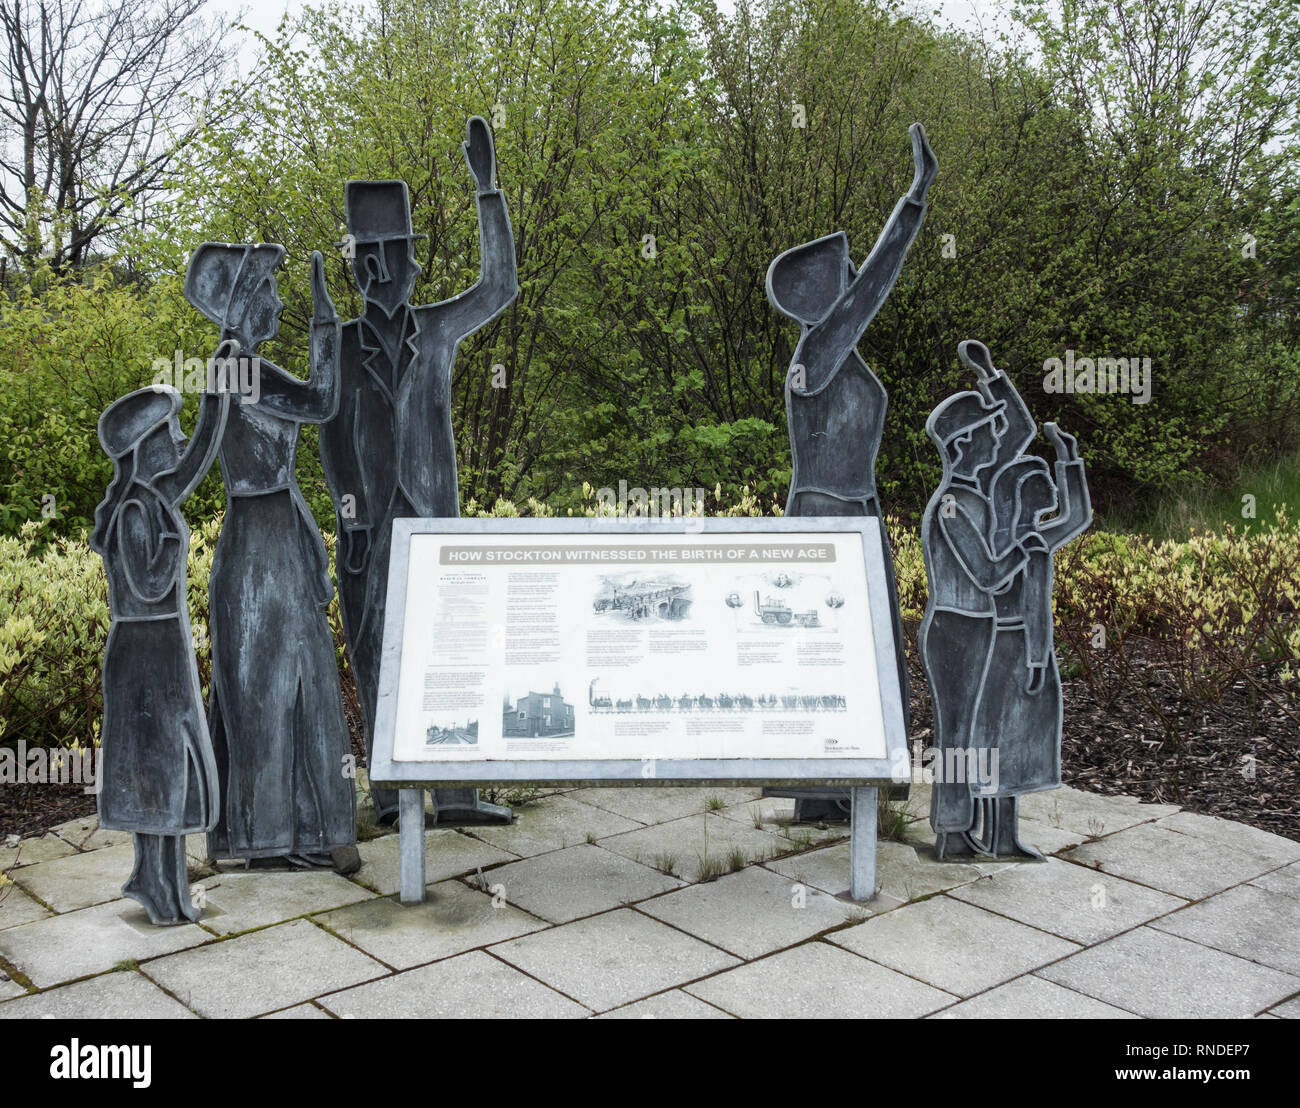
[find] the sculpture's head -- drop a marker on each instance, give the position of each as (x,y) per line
(966,429)
(233,284)
(379,230)
(1023,494)
(805,281)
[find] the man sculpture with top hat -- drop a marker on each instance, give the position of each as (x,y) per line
(390,452)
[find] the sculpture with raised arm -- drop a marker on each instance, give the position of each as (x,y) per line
(835,404)
(390,451)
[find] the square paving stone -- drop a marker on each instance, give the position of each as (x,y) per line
(27,852)
(553,823)
(1257,924)
(604,961)
(111,996)
(751,913)
(240,901)
(952,945)
(1250,840)
(79,880)
(446,854)
(776,814)
(1185,865)
(1288,1009)
(681,845)
(672,1005)
(469,986)
(17,907)
(1161,976)
(10,988)
(1032,998)
(453,919)
(1068,900)
(818,981)
(650,804)
(580,881)
(262,971)
(86,834)
(903,873)
(91,940)
(1285,880)
(1090,814)
(1049,839)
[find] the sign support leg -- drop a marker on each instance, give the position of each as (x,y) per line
(411,830)
(862,848)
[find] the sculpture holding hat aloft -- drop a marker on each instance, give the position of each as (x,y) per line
(986,639)
(835,404)
(158,777)
(279,734)
(390,451)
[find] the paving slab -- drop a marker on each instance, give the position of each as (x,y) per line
(608,960)
(447,853)
(27,852)
(752,912)
(262,971)
(903,872)
(680,846)
(298,1012)
(579,881)
(952,945)
(1251,840)
(454,918)
(816,980)
(1162,976)
(1287,1010)
(1252,923)
(242,900)
(86,834)
(1285,880)
(1068,900)
(17,907)
(91,940)
(1048,839)
(10,988)
(1032,998)
(1090,814)
(470,986)
(1185,865)
(672,1005)
(553,823)
(649,804)
(776,814)
(110,996)
(79,880)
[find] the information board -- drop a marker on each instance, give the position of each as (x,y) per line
(617,649)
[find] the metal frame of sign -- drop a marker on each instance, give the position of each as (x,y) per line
(862,776)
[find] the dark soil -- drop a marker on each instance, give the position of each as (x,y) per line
(1122,747)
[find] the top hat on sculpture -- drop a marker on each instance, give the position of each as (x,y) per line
(378,211)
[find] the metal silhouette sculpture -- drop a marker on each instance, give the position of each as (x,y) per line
(835,404)
(276,716)
(158,776)
(986,639)
(390,452)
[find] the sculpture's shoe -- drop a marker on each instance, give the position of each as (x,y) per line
(160,882)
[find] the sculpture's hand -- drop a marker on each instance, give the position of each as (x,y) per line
(1037,676)
(975,355)
(1066,446)
(926,165)
(480,155)
(356,549)
(322,306)
(221,382)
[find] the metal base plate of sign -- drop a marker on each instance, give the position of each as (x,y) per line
(625,651)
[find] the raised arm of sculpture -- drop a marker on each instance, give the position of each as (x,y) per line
(829,341)
(1071,479)
(316,399)
(201,447)
(995,386)
(498,282)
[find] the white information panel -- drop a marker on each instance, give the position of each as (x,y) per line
(553,647)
